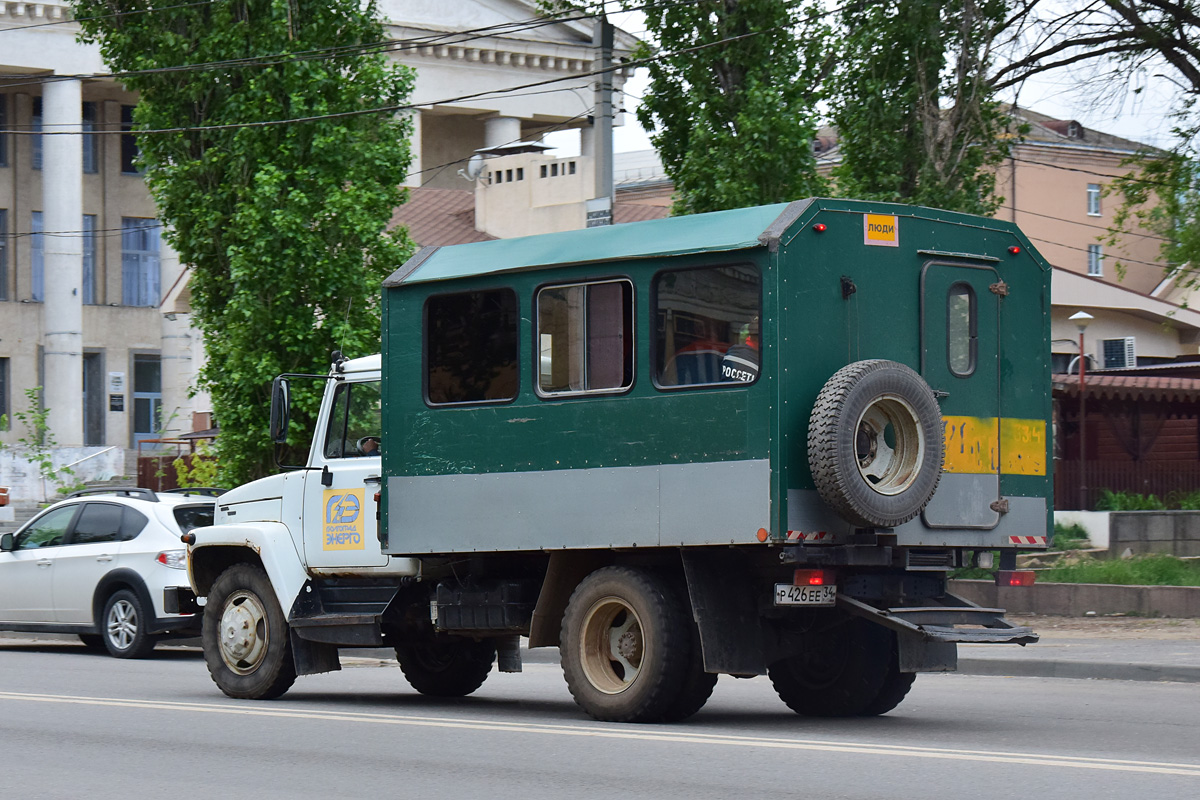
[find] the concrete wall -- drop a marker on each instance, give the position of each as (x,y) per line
(1083,599)
(1094,522)
(25,482)
(1175,533)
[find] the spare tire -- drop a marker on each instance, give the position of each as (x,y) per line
(875,443)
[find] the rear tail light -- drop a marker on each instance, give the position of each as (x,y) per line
(175,559)
(1014,577)
(812,577)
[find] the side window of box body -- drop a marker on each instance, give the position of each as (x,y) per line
(470,348)
(962,329)
(706,318)
(584,339)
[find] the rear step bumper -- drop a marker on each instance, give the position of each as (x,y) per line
(928,635)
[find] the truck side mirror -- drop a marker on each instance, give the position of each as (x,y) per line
(6,542)
(281,400)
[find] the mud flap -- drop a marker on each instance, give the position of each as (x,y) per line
(723,606)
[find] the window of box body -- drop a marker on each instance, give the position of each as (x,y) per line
(585,338)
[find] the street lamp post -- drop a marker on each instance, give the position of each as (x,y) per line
(1081,320)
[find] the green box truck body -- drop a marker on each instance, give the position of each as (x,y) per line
(753,441)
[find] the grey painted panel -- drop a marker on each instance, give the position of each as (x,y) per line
(611,507)
(964,501)
(1026,517)
(717,502)
(808,513)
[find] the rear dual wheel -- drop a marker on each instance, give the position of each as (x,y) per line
(629,651)
(847,670)
(450,668)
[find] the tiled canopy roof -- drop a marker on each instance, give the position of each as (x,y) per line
(439,217)
(1131,387)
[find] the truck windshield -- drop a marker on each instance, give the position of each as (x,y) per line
(354,421)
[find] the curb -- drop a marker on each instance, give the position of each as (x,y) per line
(1042,668)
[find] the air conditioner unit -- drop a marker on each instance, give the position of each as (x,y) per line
(1119,353)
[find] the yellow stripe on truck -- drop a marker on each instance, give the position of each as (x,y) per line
(978,445)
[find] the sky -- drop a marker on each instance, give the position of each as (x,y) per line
(1140,116)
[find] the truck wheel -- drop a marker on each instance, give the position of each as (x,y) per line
(245,636)
(875,443)
(453,668)
(625,648)
(697,686)
(839,672)
(895,689)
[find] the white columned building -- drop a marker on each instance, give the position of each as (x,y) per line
(62,256)
(94,306)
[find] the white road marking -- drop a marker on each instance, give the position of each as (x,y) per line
(629,733)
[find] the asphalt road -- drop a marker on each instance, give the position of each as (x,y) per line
(74,724)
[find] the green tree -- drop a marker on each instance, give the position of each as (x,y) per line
(1112,49)
(732,104)
(281,225)
(916,115)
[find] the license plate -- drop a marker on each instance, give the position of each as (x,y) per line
(788,595)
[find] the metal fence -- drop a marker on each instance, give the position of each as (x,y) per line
(1160,478)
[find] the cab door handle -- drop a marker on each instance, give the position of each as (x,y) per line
(104,558)
(44,562)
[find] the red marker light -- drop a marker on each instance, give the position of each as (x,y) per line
(819,227)
(1014,250)
(809,577)
(1008,577)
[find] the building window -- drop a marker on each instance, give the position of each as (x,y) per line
(139,261)
(91,142)
(1095,262)
(37,257)
(3,254)
(961,329)
(129,147)
(520,173)
(471,347)
(3,127)
(5,413)
(585,338)
(89,259)
(147,397)
(706,320)
(35,141)
(1093,199)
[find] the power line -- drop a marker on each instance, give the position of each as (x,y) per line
(383,46)
(84,234)
(68,20)
(1085,224)
(402,107)
(1156,264)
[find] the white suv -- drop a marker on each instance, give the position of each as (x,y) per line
(107,565)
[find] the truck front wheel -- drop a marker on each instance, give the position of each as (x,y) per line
(245,636)
(447,668)
(625,648)
(842,671)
